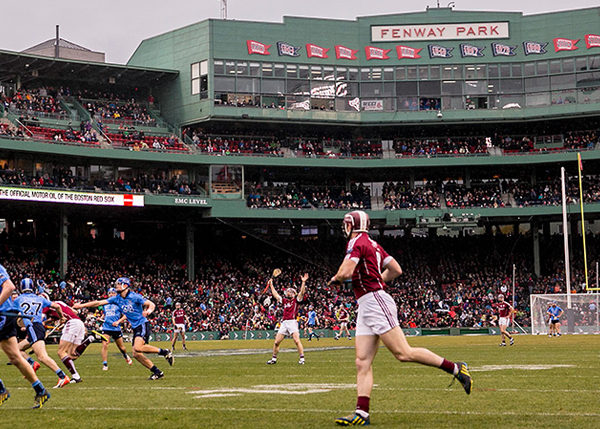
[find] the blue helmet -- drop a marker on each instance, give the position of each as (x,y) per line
(26,285)
(112,290)
(124,280)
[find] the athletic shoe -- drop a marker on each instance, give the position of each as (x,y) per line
(76,380)
(353,420)
(104,367)
(502,344)
(549,335)
(336,338)
(100,335)
(559,334)
(62,382)
(464,377)
(309,339)
(41,399)
(512,341)
(36,366)
(301,361)
(185,349)
(129,361)
(169,358)
(271,361)
(4,397)
(156,375)
(349,338)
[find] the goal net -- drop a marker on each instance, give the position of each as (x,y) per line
(581,317)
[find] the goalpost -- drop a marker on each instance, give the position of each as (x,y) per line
(582,318)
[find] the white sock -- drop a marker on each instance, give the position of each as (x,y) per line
(362,413)
(455,369)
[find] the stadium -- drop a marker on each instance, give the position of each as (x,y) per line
(224,150)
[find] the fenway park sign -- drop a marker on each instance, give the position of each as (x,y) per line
(472,31)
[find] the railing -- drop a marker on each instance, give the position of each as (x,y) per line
(62,116)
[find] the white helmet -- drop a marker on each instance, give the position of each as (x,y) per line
(356,221)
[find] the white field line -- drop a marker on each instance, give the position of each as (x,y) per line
(49,408)
(244,352)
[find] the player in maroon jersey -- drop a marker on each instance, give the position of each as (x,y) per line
(505,312)
(343,317)
(370,267)
(289,324)
(73,335)
(179,321)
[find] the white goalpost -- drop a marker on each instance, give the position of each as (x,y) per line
(582,317)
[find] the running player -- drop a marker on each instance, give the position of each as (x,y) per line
(370,267)
(505,311)
(311,323)
(8,343)
(179,319)
(343,317)
(30,304)
(136,308)
(554,311)
(71,338)
(111,328)
(289,324)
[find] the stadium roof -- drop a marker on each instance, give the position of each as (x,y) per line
(35,67)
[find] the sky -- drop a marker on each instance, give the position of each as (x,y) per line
(118,27)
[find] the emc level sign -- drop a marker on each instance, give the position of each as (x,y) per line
(456,31)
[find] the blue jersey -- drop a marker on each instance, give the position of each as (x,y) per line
(132,306)
(112,313)
(8,304)
(555,311)
(32,305)
(312,317)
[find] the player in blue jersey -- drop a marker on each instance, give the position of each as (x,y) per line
(32,305)
(554,311)
(9,345)
(111,328)
(311,323)
(135,308)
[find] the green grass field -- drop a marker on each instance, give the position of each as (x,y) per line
(539,382)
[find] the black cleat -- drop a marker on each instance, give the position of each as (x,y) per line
(156,375)
(169,358)
(464,377)
(41,399)
(353,420)
(271,361)
(4,397)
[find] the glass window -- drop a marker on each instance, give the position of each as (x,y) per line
(267,69)
(542,67)
(493,86)
(481,71)
(279,70)
(581,63)
(568,65)
(219,67)
(564,81)
(248,85)
(434,72)
(303,72)
(341,73)
(474,87)
(346,89)
(242,68)
(423,72)
(376,73)
(568,96)
(322,89)
(408,104)
(555,66)
(406,88)
(292,71)
(400,73)
(535,84)
(195,70)
(517,70)
(539,99)
(365,74)
(447,72)
(316,73)
(224,84)
(508,86)
(529,69)
(195,86)
(273,86)
(431,87)
(254,69)
(229,68)
(458,71)
(370,89)
(328,73)
(411,73)
(588,79)
(352,74)
(388,73)
(470,71)
(594,63)
(493,70)
(389,89)
(451,87)
(453,103)
(505,70)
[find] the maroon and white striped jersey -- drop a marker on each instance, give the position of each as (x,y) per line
(67,311)
(290,308)
(371,260)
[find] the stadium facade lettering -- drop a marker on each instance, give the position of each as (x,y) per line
(71,197)
(487,30)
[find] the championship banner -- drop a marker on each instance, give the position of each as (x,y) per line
(255,47)
(285,49)
(565,44)
(437,51)
(374,53)
(408,52)
(372,105)
(316,51)
(592,41)
(70,197)
(467,50)
(535,48)
(498,49)
(355,104)
(344,53)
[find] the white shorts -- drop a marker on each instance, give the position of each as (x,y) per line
(377,314)
(343,325)
(180,327)
(288,327)
(73,332)
(504,321)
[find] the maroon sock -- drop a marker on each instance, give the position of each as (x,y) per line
(81,348)
(448,366)
(69,364)
(362,403)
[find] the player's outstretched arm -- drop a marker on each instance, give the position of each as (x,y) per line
(149,307)
(97,303)
(58,310)
(7,289)
(273,291)
(303,287)
(392,270)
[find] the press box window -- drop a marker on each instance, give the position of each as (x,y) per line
(199,74)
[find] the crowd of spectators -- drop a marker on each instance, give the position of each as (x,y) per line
(549,193)
(119,111)
(138,140)
(439,146)
(486,194)
(439,287)
(34,101)
(400,195)
(294,196)
(229,145)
